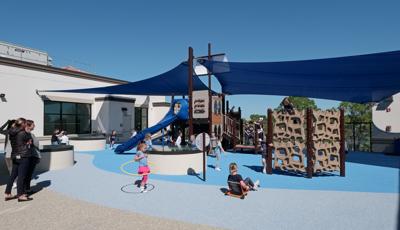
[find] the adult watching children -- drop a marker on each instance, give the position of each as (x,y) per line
(35,158)
(7,146)
(55,136)
(21,142)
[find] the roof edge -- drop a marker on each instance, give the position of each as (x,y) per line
(56,70)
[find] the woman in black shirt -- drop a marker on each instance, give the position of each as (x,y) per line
(21,142)
(54,137)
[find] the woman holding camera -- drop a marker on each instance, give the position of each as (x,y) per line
(21,142)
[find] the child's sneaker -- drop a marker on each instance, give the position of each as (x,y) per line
(264,170)
(256,185)
(217,169)
(143,190)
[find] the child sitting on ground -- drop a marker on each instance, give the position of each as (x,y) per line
(144,169)
(247,184)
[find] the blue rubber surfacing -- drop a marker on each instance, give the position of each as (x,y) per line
(359,177)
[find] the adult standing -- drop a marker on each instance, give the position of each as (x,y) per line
(21,142)
(35,157)
(7,146)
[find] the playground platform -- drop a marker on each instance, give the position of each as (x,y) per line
(247,148)
(367,198)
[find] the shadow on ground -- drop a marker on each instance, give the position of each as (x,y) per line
(40,186)
(377,159)
(258,169)
(192,172)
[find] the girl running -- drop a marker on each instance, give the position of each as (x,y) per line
(144,169)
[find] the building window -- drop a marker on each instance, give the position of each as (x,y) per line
(75,118)
(141,118)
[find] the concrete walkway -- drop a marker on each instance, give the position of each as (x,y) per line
(205,204)
(50,210)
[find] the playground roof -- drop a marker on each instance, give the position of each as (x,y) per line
(360,79)
(172,82)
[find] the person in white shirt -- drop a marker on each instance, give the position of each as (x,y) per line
(133,133)
(179,140)
(217,151)
(64,140)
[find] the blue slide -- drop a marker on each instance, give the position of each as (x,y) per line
(179,110)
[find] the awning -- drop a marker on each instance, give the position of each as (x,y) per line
(360,79)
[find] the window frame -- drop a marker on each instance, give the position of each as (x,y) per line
(63,125)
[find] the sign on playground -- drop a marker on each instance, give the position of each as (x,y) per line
(200,104)
(199,140)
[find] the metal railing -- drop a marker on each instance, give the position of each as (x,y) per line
(231,127)
(359,136)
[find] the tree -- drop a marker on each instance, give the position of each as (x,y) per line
(256,117)
(356,112)
(301,103)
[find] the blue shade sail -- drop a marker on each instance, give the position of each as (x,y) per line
(359,79)
(172,82)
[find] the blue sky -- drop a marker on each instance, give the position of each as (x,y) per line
(133,40)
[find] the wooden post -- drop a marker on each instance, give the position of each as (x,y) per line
(309,141)
(240,126)
(241,131)
(204,156)
(210,107)
(255,137)
(223,104)
(190,82)
(171,126)
(270,133)
(234,132)
(342,153)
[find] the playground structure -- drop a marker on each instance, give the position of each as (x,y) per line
(240,135)
(315,137)
(178,111)
(306,142)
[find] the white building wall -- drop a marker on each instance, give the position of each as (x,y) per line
(19,86)
(386,114)
(158,112)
